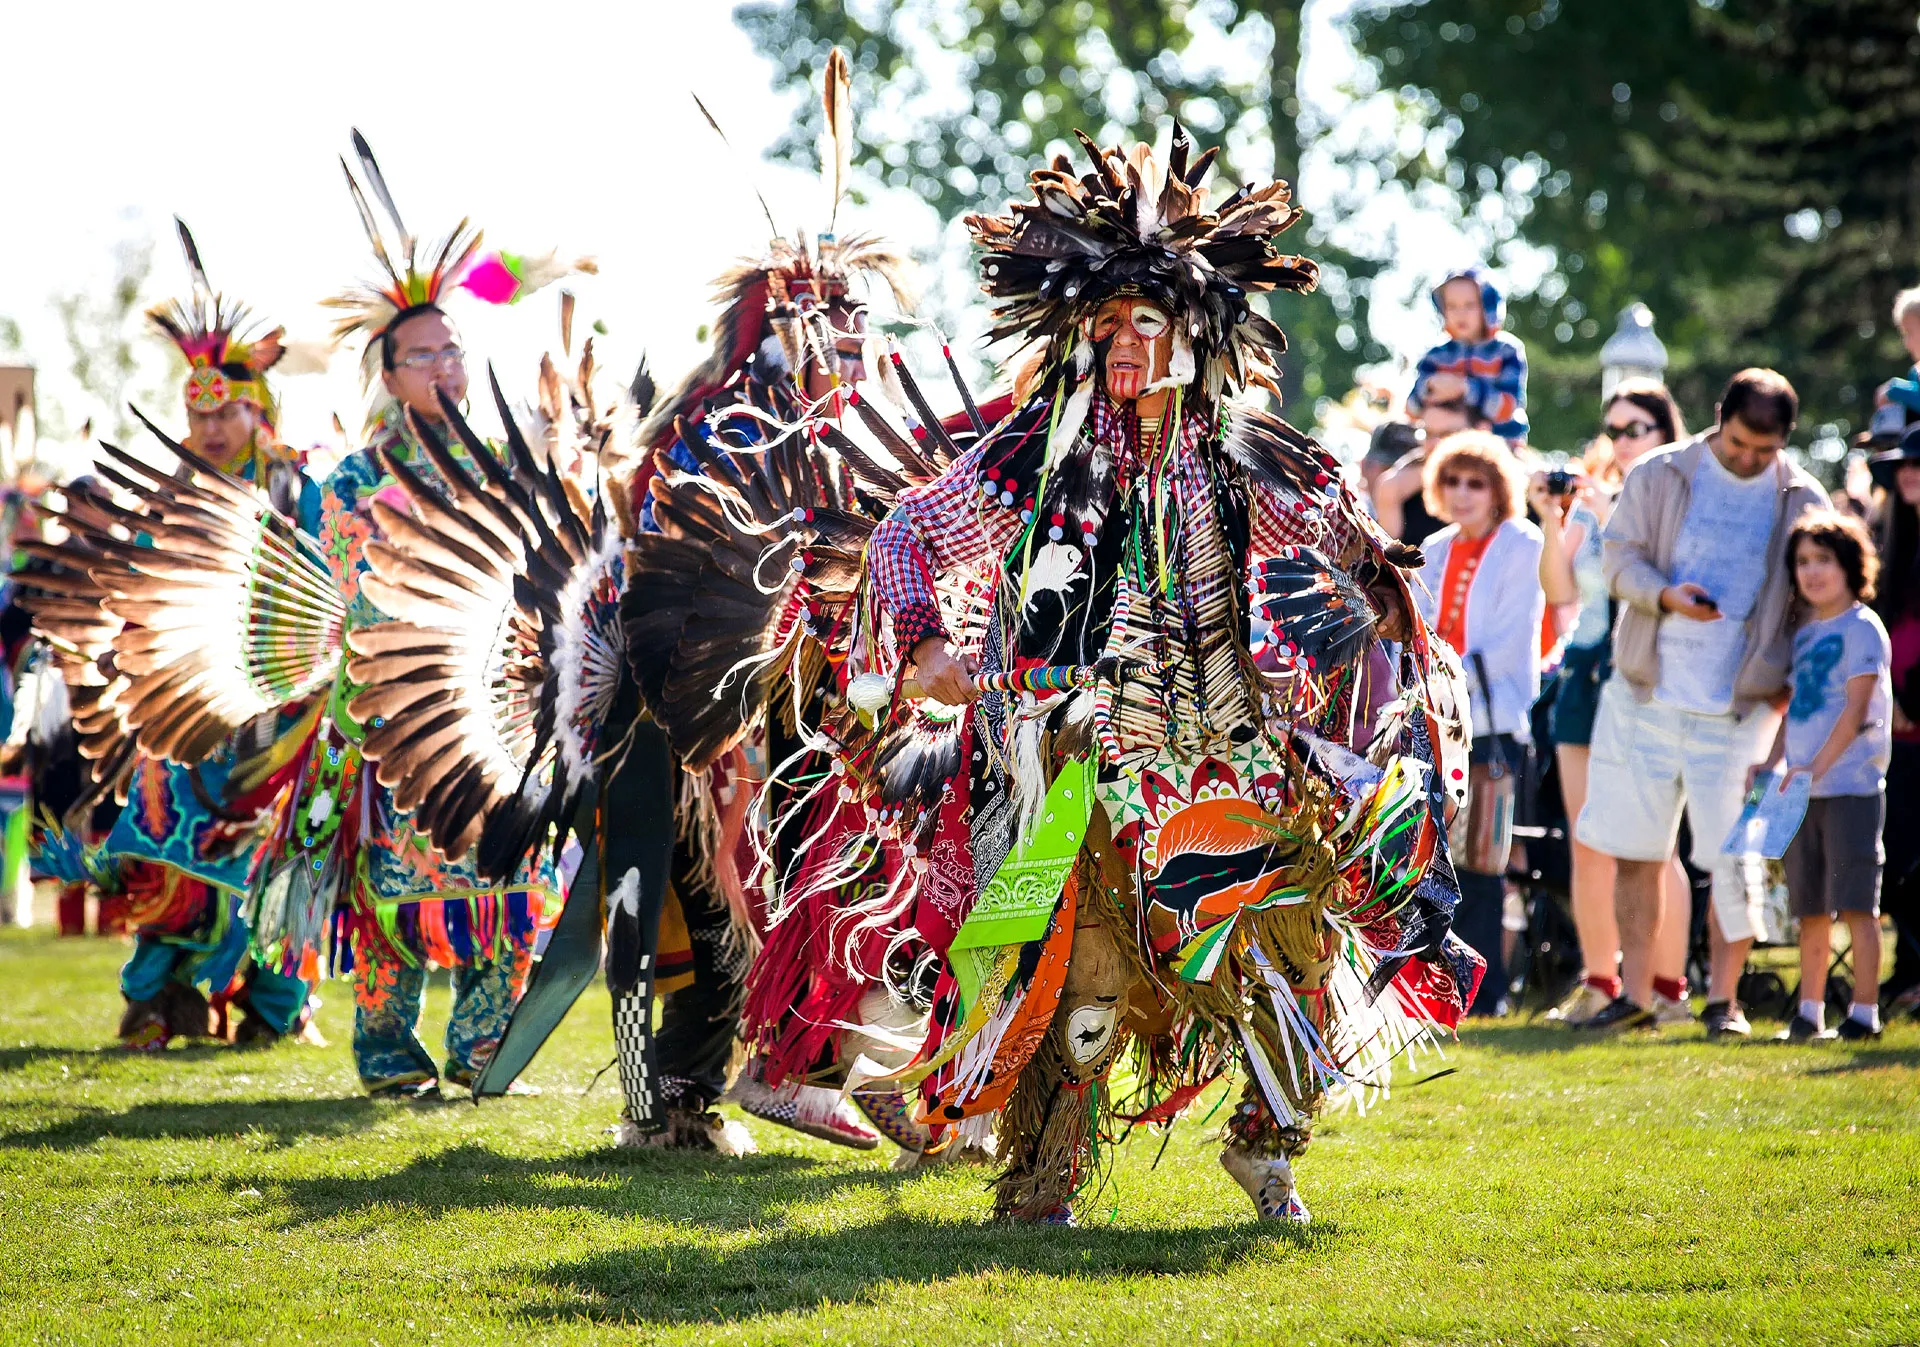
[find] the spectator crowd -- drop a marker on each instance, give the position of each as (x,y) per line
(1656,628)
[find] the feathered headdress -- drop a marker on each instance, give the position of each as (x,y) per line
(1136,226)
(223,364)
(787,293)
(412,282)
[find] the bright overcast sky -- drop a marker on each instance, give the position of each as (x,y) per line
(568,128)
(548,127)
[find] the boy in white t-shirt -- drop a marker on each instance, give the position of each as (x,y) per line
(1838,728)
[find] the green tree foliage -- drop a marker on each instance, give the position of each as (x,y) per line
(958,101)
(1746,167)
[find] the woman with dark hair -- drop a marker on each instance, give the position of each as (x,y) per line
(1640,416)
(1897,475)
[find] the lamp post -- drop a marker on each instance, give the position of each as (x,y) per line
(1633,351)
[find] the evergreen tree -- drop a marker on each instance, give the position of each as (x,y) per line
(1746,167)
(1827,179)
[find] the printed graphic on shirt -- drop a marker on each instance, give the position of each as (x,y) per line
(1810,675)
(1721,547)
(1827,655)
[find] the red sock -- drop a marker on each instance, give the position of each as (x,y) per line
(1600,982)
(1674,989)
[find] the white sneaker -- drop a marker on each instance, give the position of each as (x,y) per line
(1666,1010)
(1268,1180)
(811,1109)
(1582,1003)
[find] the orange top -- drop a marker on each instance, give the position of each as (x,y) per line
(1463,562)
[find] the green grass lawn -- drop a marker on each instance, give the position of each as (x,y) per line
(1659,1189)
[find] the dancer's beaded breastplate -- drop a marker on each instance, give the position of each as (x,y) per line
(1176,605)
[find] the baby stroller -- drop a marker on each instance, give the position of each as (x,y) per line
(1547,962)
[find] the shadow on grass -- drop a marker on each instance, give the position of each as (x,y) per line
(1522,1039)
(702,1189)
(1867,1059)
(752,1262)
(19,1059)
(794,1270)
(286,1121)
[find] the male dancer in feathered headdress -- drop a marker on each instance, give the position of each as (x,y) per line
(405,903)
(184,859)
(1152,825)
(792,333)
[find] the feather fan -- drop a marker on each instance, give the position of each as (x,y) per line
(229,612)
(1320,614)
(715,598)
(487,689)
(68,607)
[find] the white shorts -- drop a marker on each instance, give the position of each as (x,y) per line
(1647,762)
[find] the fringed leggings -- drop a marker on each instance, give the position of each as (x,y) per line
(1048,1126)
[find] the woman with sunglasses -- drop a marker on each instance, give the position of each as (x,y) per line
(1640,416)
(1481,594)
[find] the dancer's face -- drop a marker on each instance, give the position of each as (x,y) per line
(426,357)
(220,434)
(1140,344)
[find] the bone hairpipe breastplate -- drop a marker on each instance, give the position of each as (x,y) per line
(1200,698)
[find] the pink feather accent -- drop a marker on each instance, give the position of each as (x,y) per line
(492,279)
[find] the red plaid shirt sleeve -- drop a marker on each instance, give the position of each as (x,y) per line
(1278,523)
(941,526)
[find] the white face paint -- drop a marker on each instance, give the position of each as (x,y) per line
(1089,1031)
(1137,354)
(1149,321)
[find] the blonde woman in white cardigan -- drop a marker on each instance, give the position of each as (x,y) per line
(1482,596)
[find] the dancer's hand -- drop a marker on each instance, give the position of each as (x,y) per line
(940,675)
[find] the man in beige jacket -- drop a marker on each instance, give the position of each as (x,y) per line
(1696,554)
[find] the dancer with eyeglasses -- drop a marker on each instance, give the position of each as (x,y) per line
(242,611)
(406,904)
(1639,416)
(709,558)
